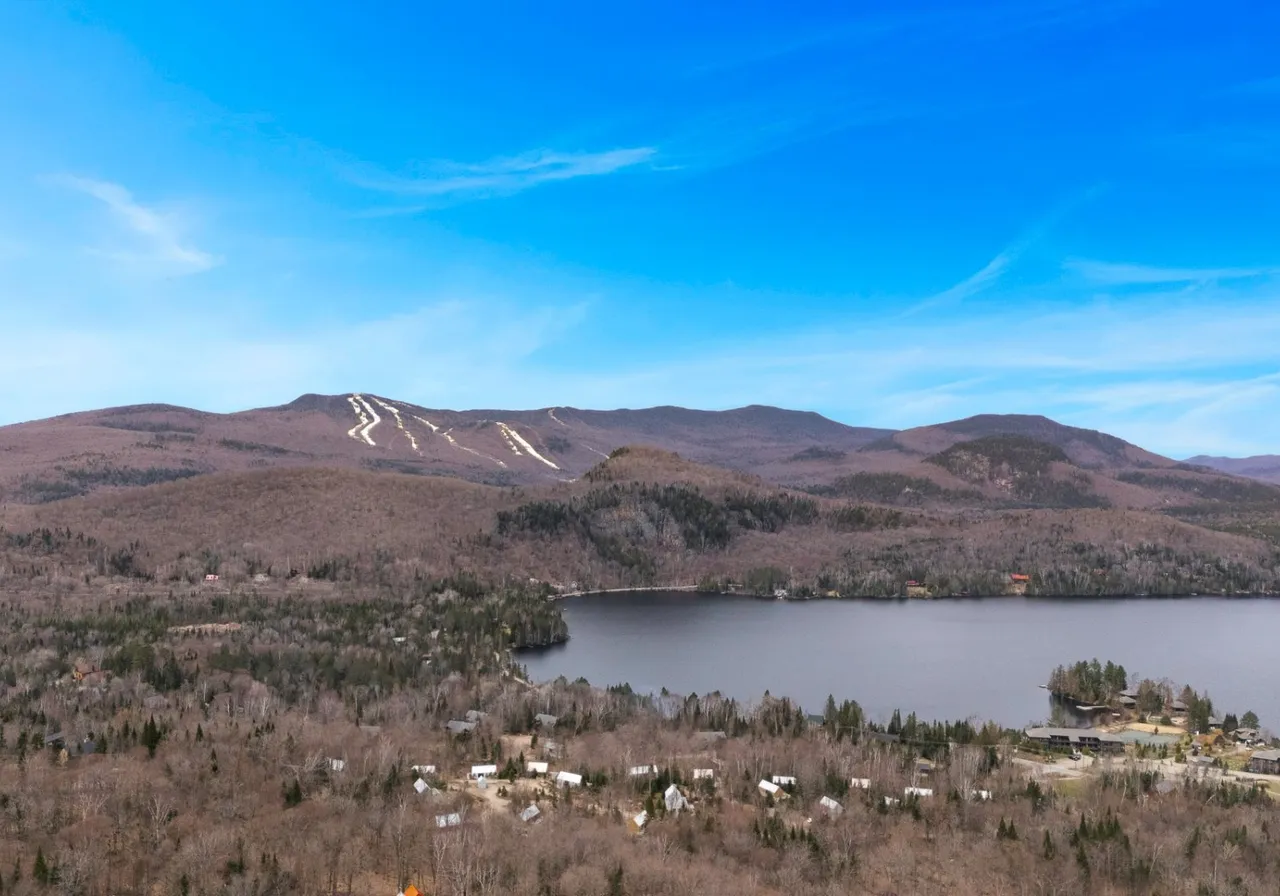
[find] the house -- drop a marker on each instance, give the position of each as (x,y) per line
(1178,706)
(917,791)
(483,771)
(783,780)
(1246,735)
(411,890)
(545,721)
(833,808)
(337,765)
(421,786)
(983,795)
(860,783)
(706,737)
(1127,702)
(892,801)
(568,779)
(674,800)
(924,766)
(639,771)
(210,577)
(637,822)
(536,768)
(1018,583)
(1265,762)
(423,769)
(452,820)
(459,728)
(768,788)
(475,716)
(701,773)
(917,589)
(530,813)
(1075,739)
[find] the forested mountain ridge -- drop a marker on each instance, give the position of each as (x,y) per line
(642,517)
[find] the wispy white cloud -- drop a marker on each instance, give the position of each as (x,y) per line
(503,176)
(1121,274)
(153,241)
(975,283)
(993,270)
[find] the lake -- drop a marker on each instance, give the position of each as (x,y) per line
(943,659)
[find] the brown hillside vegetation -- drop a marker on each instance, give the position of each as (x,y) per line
(148,748)
(643,517)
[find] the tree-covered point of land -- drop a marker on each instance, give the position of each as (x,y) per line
(1089,681)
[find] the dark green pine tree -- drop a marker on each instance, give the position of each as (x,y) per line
(40,870)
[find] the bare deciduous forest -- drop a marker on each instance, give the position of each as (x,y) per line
(265,741)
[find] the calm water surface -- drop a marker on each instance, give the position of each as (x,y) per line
(943,659)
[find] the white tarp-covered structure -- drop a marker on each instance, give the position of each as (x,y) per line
(674,800)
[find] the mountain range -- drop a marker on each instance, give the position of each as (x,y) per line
(653,496)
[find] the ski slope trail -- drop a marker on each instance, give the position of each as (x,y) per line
(510,434)
(362,420)
(395,412)
(454,442)
(552,414)
(368,422)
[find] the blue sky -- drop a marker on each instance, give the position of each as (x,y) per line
(893,214)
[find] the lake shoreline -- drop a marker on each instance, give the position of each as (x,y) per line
(693,589)
(944,658)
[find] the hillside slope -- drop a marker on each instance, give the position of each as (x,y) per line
(1263,466)
(643,517)
(78,454)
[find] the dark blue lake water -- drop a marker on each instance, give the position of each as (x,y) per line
(944,659)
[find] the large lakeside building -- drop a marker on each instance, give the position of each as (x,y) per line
(1075,739)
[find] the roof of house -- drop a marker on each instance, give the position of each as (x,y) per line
(1074,735)
(544,719)
(1127,701)
(704,773)
(768,787)
(828,803)
(457,726)
(538,768)
(710,735)
(637,770)
(452,820)
(1267,755)
(568,778)
(530,813)
(475,715)
(478,770)
(1019,577)
(782,779)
